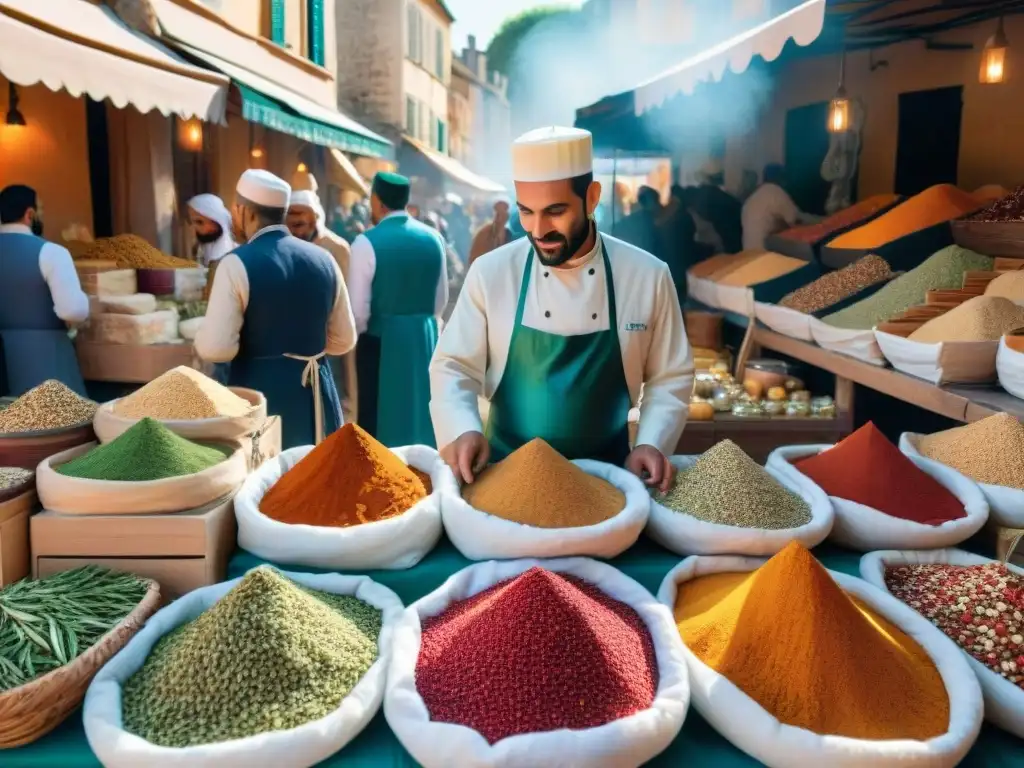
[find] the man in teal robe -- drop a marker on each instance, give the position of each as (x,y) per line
(399,287)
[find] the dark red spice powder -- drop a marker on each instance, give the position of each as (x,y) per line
(539,652)
(868,469)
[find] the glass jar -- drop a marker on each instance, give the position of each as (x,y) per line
(746,410)
(823,407)
(796,408)
(773,408)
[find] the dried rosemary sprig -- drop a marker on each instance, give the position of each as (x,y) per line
(46,624)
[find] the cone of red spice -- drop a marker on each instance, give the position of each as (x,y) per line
(868,469)
(539,652)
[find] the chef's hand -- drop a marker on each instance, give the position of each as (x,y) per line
(651,466)
(467,456)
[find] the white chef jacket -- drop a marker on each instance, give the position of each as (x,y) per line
(362,268)
(70,302)
(218,336)
(768,210)
(473,349)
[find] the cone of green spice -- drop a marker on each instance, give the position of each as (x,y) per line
(270,655)
(146,451)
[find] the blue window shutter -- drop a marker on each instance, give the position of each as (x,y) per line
(277,21)
(316,31)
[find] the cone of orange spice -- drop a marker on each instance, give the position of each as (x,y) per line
(811,655)
(348,479)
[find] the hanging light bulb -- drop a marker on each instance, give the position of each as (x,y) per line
(993,57)
(191,135)
(14,116)
(302,168)
(839,107)
(256,153)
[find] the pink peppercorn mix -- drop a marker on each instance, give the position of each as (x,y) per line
(539,652)
(981,607)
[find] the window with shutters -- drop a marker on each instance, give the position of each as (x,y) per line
(433,130)
(275,14)
(414,39)
(439,54)
(315,30)
(411,124)
(442,137)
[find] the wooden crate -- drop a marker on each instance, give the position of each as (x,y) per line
(182,551)
(758,437)
(14,540)
(130,363)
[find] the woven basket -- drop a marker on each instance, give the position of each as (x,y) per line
(31,711)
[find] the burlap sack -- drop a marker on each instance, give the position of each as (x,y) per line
(108,425)
(77,496)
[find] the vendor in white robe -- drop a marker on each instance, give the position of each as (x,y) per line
(211,225)
(561,331)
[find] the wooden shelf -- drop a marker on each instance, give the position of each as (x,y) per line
(960,403)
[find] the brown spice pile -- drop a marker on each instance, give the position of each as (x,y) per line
(50,405)
(183,394)
(1007,209)
(132,252)
(765,267)
(989,451)
(983,318)
(537,486)
(1009,285)
(835,286)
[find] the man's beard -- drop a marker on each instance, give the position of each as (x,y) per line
(211,237)
(37,226)
(569,246)
(310,236)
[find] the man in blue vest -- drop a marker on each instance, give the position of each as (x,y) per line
(399,287)
(278,306)
(39,295)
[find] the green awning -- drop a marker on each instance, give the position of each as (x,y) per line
(282,109)
(260,108)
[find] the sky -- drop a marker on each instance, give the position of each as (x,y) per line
(483,17)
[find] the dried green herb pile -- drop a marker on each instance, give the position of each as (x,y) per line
(48,623)
(145,451)
(727,487)
(270,655)
(942,270)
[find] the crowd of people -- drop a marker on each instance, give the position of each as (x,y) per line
(292,290)
(701,220)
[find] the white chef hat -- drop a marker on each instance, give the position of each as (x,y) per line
(264,188)
(552,154)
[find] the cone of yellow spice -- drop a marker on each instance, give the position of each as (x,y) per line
(810,655)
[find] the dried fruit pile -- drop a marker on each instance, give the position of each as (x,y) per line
(1009,208)
(539,652)
(270,655)
(980,607)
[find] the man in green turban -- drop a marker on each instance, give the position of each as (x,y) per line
(399,287)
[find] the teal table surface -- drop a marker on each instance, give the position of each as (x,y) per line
(377,747)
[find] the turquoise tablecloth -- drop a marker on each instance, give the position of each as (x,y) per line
(376,747)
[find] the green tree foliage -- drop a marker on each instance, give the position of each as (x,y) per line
(501,52)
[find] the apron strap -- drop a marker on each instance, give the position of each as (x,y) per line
(311,378)
(522,291)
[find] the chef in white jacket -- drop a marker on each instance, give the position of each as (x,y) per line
(561,331)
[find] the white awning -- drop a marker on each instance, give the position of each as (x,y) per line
(803,24)
(189,22)
(83,48)
(455,170)
(348,173)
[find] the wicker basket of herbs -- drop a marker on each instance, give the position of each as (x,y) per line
(55,635)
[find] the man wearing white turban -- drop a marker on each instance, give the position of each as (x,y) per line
(211,224)
(308,221)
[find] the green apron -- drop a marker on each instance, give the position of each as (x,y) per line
(569,390)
